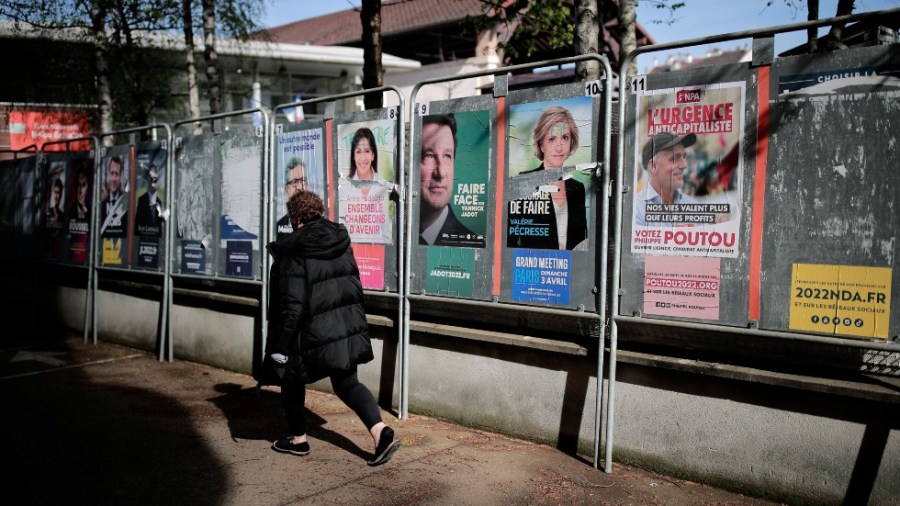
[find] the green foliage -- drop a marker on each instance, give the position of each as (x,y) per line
(546,25)
(141,81)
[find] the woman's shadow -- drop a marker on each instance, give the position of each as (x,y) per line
(256,413)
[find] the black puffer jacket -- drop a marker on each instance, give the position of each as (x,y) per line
(316,308)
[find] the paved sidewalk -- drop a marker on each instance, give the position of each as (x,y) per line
(108,425)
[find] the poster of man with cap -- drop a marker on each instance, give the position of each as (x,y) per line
(687,182)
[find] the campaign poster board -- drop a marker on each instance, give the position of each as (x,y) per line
(196,212)
(550,199)
(453,201)
(549,205)
(151,202)
(240,216)
(453,187)
(689,170)
(54,178)
(366,154)
(299,164)
(116,171)
(80,205)
(829,245)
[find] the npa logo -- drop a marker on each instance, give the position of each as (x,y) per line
(687,96)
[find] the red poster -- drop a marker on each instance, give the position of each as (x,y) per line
(370,258)
(28,128)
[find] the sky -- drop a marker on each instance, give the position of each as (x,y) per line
(698,18)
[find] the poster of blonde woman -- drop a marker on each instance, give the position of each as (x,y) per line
(688,170)
(547,140)
(365,158)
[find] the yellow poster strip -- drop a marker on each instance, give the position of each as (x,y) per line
(112,251)
(841,299)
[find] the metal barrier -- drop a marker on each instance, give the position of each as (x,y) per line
(123,225)
(298,145)
(678,276)
(200,254)
(536,264)
(81,217)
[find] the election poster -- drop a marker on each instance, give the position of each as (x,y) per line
(115,203)
(450,271)
(688,171)
(239,227)
(370,260)
(299,165)
(151,200)
(453,179)
(868,78)
(550,135)
(549,210)
(54,189)
(683,287)
(195,217)
(364,208)
(150,189)
(543,277)
(550,151)
(841,300)
(366,152)
(78,212)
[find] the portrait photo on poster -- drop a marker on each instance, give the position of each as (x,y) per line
(366,159)
(548,204)
(454,162)
(114,203)
(150,189)
(55,190)
(688,171)
(78,212)
(366,150)
(299,166)
(550,135)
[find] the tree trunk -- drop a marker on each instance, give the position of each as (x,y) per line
(130,63)
(627,40)
(104,99)
(214,90)
(373,71)
(812,34)
(190,66)
(587,39)
(833,40)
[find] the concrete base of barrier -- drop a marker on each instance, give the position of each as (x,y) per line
(785,436)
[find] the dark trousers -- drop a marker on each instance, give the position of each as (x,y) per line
(347,387)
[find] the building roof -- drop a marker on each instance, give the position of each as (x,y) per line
(429,31)
(714,57)
(397,17)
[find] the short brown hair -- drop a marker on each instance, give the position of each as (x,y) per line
(304,207)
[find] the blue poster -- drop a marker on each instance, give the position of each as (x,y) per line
(193,257)
(239,258)
(542,276)
(148,252)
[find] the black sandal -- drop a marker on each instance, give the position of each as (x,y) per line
(387,445)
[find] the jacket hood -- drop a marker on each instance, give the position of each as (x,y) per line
(321,238)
